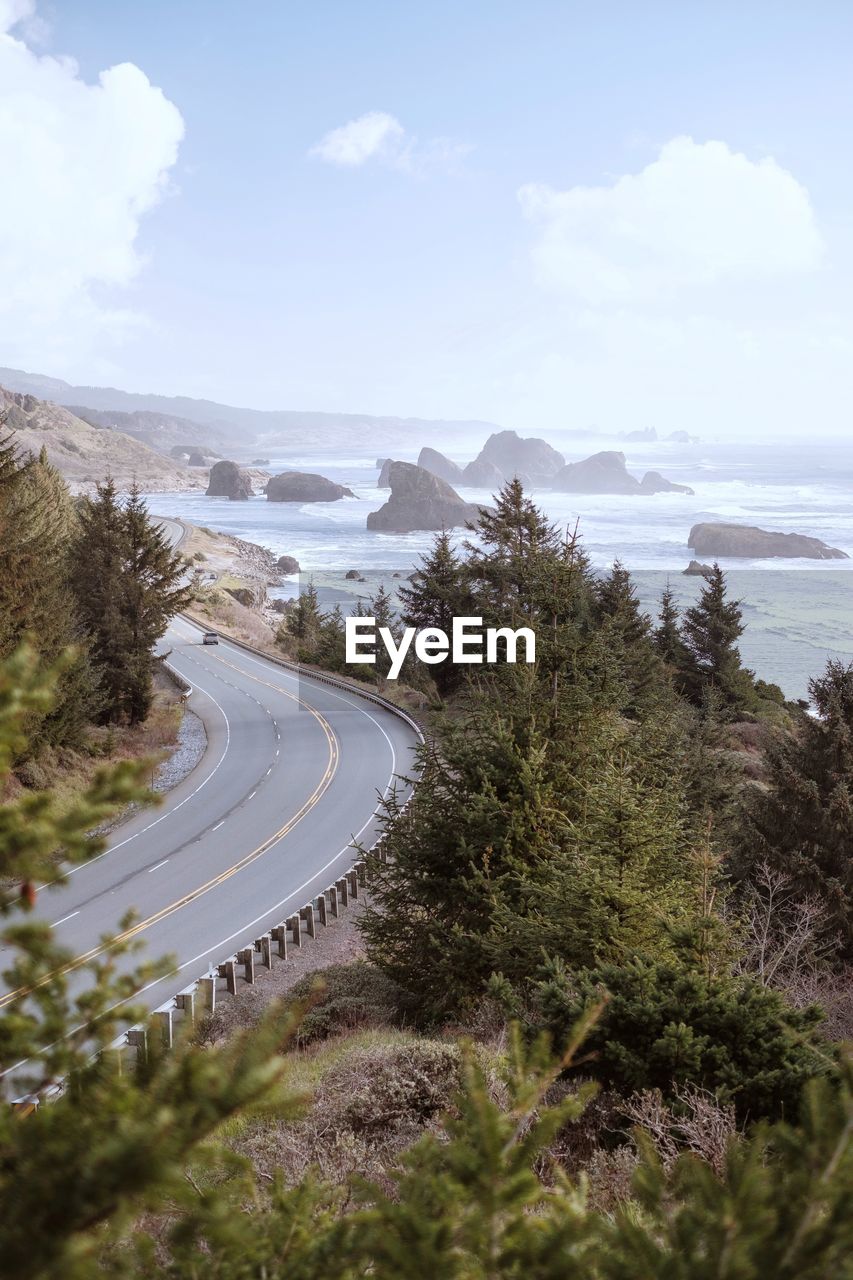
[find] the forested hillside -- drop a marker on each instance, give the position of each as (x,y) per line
(598,1029)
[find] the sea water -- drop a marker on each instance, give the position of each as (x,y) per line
(798,612)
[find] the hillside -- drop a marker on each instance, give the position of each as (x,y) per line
(85,454)
(245,427)
(160,431)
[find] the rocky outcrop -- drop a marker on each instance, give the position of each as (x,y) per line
(747,541)
(482,474)
(384,481)
(228,481)
(352,575)
(607,472)
(305,486)
(513,456)
(654,482)
(432,460)
(287,564)
(604,472)
(698,570)
(420,500)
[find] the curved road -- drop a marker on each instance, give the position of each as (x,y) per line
(292,776)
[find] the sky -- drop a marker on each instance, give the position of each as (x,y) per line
(546,215)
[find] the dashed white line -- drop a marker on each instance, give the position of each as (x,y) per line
(218,825)
(64,918)
(159,865)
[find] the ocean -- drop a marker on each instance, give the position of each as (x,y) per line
(798,613)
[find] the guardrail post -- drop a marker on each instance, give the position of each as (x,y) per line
(266,951)
(307,914)
(246,958)
(163,1019)
(137,1038)
(25,1105)
(295,925)
(206,988)
(352,878)
(360,869)
(279,935)
(185,1000)
(343,890)
(228,971)
(332,891)
(321,908)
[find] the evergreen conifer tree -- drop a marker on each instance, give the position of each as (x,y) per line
(711,630)
(438,592)
(802,823)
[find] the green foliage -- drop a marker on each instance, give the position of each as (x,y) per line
(711,630)
(667,1025)
(37,521)
(128,583)
(343,997)
(440,590)
(802,824)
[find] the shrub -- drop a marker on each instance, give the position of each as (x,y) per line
(345,997)
(667,1026)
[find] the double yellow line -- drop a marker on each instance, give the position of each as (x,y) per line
(322,786)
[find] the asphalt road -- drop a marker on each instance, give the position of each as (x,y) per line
(292,775)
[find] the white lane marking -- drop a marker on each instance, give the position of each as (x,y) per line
(64,918)
(353,703)
(218,825)
(269,910)
(175,809)
(252,796)
(268,772)
(159,865)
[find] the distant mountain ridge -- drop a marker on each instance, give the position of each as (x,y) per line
(240,426)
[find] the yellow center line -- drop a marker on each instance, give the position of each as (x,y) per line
(246,860)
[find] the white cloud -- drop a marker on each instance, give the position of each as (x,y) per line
(377,135)
(698,215)
(81,165)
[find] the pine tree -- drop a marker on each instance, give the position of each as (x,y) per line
(802,823)
(438,592)
(668,640)
(154,591)
(37,522)
(626,630)
(505,563)
(128,583)
(711,630)
(304,621)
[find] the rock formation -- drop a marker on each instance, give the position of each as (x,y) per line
(288,564)
(383,482)
(607,472)
(741,540)
(697,570)
(432,460)
(513,455)
(654,482)
(228,481)
(482,474)
(305,486)
(420,500)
